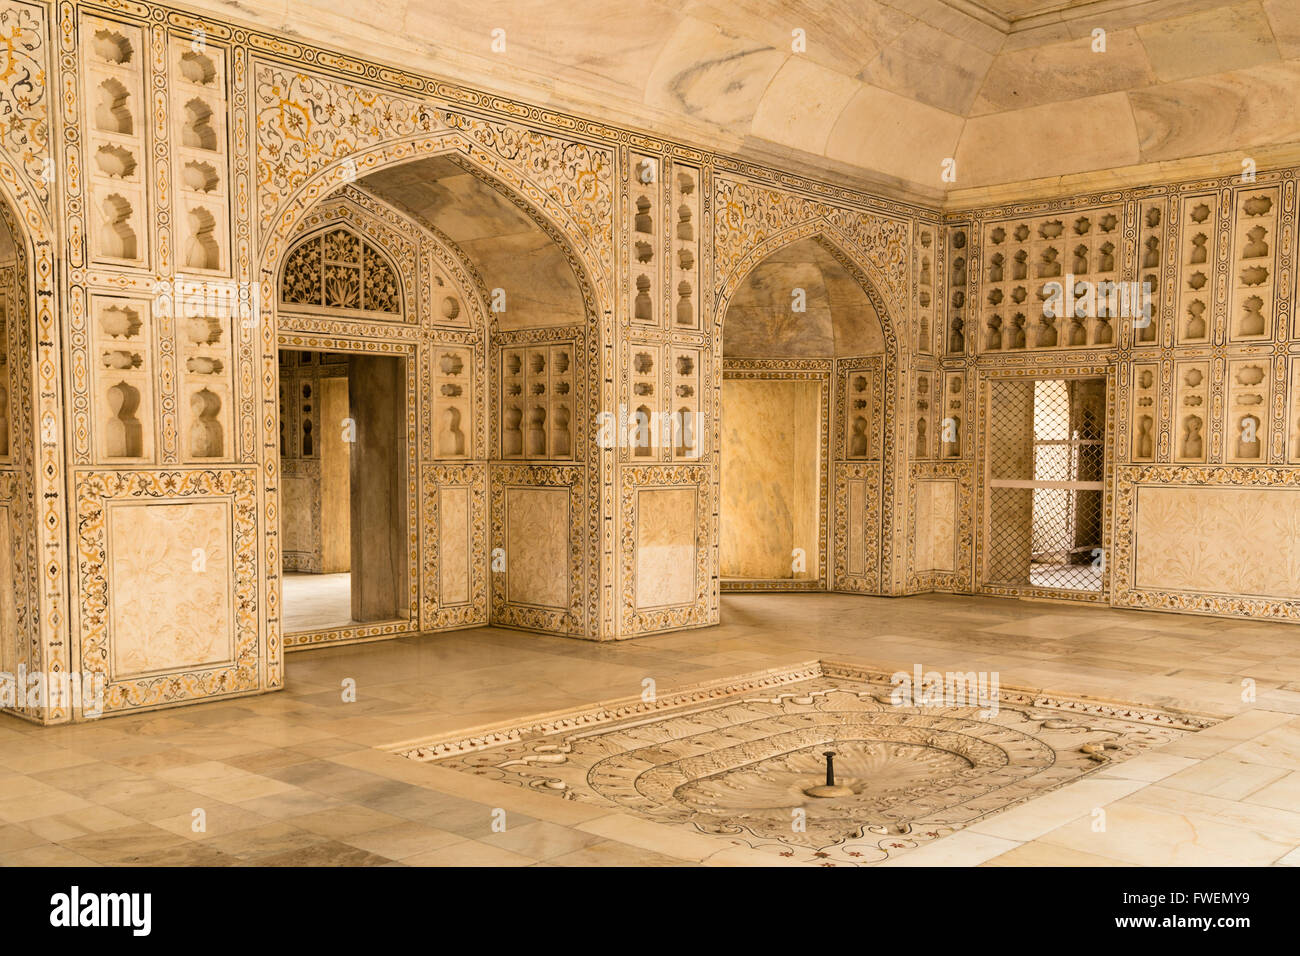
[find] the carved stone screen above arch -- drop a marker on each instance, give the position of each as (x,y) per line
(337,269)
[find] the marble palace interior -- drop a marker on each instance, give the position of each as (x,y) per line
(724,433)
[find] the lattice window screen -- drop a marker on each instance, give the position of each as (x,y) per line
(1046,468)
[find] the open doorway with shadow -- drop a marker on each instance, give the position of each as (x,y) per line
(343,481)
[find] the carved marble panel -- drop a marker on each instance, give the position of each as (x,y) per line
(171,564)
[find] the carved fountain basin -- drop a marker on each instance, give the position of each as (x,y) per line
(734,757)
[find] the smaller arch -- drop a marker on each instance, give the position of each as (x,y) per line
(352,274)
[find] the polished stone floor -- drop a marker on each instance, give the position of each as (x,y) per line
(299,777)
(316,602)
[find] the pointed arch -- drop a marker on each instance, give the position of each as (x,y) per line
(891,315)
(825,234)
(38,423)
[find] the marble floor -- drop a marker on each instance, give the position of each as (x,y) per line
(300,777)
(316,602)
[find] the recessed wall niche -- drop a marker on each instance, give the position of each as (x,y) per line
(1254,262)
(537,402)
(123,380)
(1146,412)
(925,286)
(859,417)
(453,403)
(684,243)
(644,400)
(952,415)
(645,242)
(1152,216)
(1191,411)
(199,148)
(922,426)
(684,405)
(1197,279)
(1249,411)
(958,276)
(117,205)
(1022,257)
(206,376)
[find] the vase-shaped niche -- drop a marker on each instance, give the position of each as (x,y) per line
(1193,443)
(642,307)
(123,433)
(685,310)
(451,439)
(512,439)
(685,432)
(685,230)
(537,432)
(1047,332)
(205,427)
(642,422)
(1151,258)
(563,439)
(1016,332)
(956,337)
(1252,320)
(1145,444)
(858,440)
(1248,444)
(1078,334)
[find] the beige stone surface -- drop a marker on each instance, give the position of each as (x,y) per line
(802,104)
(454,547)
(936,525)
(1098,131)
(1063,72)
(667,541)
(1284,18)
(770,478)
(510,250)
(172,565)
(931,66)
(1228,111)
(837,318)
(728,74)
(335,492)
(299,503)
(1216,41)
(537,546)
(1219,540)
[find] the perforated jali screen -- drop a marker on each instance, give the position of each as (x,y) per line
(1046,467)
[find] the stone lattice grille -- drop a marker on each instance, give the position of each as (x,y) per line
(1046,467)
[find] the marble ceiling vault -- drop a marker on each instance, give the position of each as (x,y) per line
(183,195)
(884,91)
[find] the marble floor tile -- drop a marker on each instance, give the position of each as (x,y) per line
(297,777)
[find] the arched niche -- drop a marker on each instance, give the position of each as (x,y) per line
(808,366)
(20,644)
(515,290)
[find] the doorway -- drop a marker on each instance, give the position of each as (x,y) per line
(343,489)
(773,525)
(1046,482)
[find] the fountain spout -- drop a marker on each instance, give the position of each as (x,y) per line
(830,788)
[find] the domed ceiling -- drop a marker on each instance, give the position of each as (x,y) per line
(878,92)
